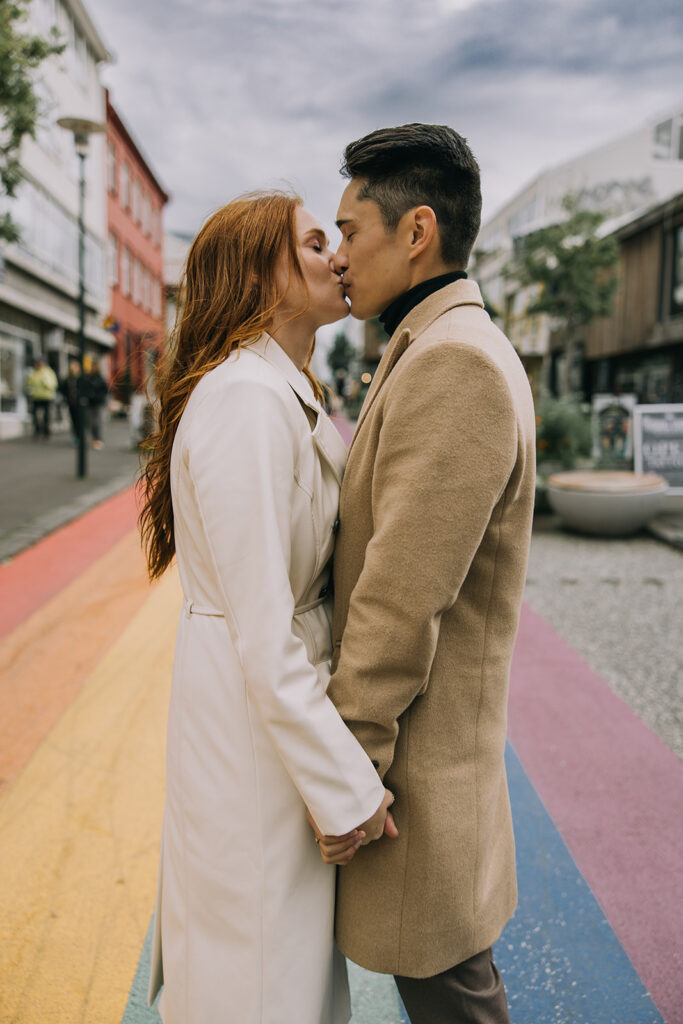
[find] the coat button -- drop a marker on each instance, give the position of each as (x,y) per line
(335,526)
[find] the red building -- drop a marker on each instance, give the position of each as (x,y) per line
(135,203)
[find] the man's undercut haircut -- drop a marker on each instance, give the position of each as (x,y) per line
(421,165)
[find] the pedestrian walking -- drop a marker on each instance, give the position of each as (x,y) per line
(95,393)
(70,389)
(242,487)
(41,385)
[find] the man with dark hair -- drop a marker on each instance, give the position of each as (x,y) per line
(430,564)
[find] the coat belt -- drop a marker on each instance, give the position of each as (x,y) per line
(192,608)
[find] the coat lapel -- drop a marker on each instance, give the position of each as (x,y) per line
(325,435)
(460,293)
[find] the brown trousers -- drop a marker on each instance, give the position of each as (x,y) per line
(469,993)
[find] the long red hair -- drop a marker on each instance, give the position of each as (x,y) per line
(227,299)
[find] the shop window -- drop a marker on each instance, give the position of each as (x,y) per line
(677,275)
(10,374)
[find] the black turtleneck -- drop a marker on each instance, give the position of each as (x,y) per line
(400,307)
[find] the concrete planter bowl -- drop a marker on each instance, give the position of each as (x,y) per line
(605,503)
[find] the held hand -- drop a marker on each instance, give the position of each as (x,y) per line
(378,825)
(336,849)
(390,829)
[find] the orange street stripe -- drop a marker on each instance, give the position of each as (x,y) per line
(79,834)
(45,660)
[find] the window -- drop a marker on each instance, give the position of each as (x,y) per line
(146,290)
(111,166)
(156,298)
(137,282)
(49,236)
(137,197)
(156,225)
(44,13)
(667,141)
(125,271)
(125,185)
(677,276)
(112,261)
(146,214)
(10,373)
(81,58)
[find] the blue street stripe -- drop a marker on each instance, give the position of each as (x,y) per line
(559,958)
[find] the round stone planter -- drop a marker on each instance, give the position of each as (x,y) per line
(605,503)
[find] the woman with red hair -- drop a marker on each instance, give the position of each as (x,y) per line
(242,487)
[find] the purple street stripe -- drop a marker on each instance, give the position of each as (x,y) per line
(614,791)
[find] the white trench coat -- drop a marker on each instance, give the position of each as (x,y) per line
(245,906)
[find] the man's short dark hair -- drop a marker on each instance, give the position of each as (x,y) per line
(421,165)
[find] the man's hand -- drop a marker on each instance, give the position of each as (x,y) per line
(342,849)
(376,826)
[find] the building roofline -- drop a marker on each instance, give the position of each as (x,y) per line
(86,24)
(654,119)
(645,218)
(114,118)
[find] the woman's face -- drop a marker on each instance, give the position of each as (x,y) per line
(326,302)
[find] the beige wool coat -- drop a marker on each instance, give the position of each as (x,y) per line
(245,908)
(429,570)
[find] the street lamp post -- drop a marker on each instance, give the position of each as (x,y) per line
(81,129)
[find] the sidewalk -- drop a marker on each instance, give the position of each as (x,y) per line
(40,490)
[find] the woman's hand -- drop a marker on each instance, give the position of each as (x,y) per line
(342,849)
(336,849)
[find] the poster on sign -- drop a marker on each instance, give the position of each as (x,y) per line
(612,428)
(658,448)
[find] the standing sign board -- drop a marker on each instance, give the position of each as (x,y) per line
(658,431)
(612,428)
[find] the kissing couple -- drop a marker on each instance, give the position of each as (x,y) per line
(335,775)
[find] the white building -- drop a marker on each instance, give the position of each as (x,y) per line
(39,275)
(629,174)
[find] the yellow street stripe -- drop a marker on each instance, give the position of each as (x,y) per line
(79,835)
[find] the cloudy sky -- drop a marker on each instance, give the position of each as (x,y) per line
(229,95)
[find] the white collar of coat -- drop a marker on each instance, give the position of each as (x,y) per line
(267,348)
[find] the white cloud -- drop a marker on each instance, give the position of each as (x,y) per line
(228,96)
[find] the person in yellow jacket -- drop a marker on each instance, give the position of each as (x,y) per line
(41,385)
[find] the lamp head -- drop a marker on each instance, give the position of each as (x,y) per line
(82,129)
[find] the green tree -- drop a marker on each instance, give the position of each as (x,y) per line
(339,360)
(20,55)
(576,270)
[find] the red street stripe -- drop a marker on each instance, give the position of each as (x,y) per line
(40,572)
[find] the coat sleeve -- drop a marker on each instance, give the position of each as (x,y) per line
(242,461)
(447,447)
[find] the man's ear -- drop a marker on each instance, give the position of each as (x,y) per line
(423,229)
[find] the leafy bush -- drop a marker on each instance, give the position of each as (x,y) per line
(563,430)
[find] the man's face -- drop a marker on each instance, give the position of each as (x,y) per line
(376,264)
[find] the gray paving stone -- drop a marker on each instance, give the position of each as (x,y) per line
(619,603)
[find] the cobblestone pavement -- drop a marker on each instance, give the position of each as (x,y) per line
(618,603)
